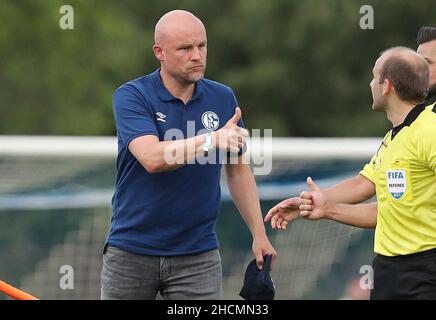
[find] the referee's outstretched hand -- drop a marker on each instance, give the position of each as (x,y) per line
(313,204)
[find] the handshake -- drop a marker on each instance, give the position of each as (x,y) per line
(311,205)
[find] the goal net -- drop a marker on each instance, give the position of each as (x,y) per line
(55,211)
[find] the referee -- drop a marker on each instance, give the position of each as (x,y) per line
(426,40)
(404,175)
(358,188)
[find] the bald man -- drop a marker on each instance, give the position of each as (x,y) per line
(175,131)
(403,173)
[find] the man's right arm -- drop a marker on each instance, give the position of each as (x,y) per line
(136,128)
(159,156)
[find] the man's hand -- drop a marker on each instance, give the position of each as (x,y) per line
(283,212)
(313,204)
(262,247)
(230,137)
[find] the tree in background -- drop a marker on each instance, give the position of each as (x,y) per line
(301,68)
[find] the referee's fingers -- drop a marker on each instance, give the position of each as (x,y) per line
(305,213)
(305,201)
(306,207)
(306,195)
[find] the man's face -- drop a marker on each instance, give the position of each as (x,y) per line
(378,100)
(428,52)
(184,54)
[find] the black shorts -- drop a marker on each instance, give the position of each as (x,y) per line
(411,276)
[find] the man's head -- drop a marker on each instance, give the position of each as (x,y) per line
(426,40)
(181,46)
(399,74)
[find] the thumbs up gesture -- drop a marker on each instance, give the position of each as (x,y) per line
(313,204)
(236,117)
(231,137)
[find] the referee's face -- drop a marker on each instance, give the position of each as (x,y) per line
(378,100)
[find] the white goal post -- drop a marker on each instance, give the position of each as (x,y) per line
(282,148)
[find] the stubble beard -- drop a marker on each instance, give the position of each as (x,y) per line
(187,79)
(378,104)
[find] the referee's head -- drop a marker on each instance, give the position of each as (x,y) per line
(426,40)
(400,76)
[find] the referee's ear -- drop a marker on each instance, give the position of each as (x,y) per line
(387,87)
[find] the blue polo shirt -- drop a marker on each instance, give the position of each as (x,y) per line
(174,212)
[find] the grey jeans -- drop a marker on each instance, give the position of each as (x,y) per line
(126,275)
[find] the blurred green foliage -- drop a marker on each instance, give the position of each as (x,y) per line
(300,67)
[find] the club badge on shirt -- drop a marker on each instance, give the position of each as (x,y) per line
(210,120)
(397,182)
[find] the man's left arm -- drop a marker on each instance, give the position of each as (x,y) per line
(242,187)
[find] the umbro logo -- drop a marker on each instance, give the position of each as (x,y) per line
(161,117)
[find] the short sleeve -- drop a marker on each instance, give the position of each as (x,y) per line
(368,170)
(133,116)
(426,146)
